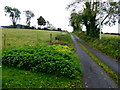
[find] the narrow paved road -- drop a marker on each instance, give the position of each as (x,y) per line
(111,63)
(93,75)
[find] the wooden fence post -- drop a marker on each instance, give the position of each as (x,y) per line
(50,37)
(4,41)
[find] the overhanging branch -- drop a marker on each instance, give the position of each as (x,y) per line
(104,19)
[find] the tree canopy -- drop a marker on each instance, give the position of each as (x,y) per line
(92,14)
(29,14)
(75,21)
(41,21)
(13,13)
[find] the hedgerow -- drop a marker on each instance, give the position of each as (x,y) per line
(54,59)
(108,44)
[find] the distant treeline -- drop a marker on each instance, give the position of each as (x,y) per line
(27,27)
(113,33)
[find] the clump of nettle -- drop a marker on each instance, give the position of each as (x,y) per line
(53,59)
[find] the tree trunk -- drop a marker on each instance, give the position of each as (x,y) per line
(14,24)
(87,28)
(91,28)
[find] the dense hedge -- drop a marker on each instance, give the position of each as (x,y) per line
(55,59)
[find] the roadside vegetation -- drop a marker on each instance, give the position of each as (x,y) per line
(19,78)
(111,73)
(35,62)
(109,44)
(46,59)
(64,39)
(54,59)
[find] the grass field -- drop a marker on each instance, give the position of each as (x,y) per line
(20,78)
(12,38)
(109,44)
(110,36)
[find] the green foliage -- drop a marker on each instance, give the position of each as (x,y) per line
(18,78)
(75,20)
(29,15)
(93,14)
(54,59)
(64,37)
(108,44)
(41,21)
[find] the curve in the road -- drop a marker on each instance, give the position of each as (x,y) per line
(93,75)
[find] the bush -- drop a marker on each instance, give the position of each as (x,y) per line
(55,59)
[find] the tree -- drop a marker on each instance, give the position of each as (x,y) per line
(13,13)
(90,13)
(29,14)
(119,12)
(41,21)
(48,24)
(59,29)
(75,21)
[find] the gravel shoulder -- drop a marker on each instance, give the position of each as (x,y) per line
(93,74)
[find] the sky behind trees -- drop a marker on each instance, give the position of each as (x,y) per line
(53,11)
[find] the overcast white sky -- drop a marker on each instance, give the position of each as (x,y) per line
(52,10)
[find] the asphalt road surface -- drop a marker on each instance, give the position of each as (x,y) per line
(93,75)
(110,62)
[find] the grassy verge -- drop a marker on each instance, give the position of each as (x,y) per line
(17,78)
(113,75)
(64,39)
(0,76)
(109,44)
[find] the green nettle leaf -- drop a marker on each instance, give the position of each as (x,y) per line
(53,59)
